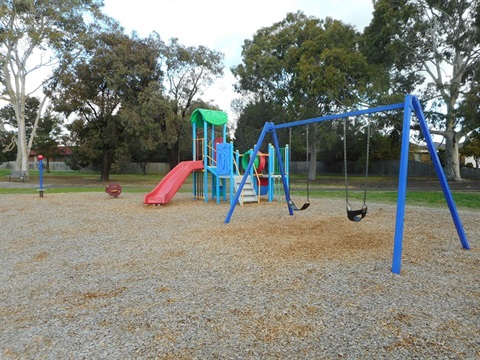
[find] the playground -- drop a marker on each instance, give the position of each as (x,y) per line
(112,275)
(215,162)
(95,276)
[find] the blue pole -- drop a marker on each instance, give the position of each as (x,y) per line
(402,187)
(194,157)
(271,167)
(253,155)
(40,169)
(441,175)
(205,161)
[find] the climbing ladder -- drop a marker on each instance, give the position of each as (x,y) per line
(248,192)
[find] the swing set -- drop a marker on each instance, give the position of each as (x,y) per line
(352,215)
(411,104)
(291,204)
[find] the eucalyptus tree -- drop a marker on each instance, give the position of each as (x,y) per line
(32,35)
(9,120)
(432,47)
(112,72)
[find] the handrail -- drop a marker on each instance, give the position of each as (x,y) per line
(213,162)
(236,165)
(198,154)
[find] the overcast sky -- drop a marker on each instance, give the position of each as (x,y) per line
(223,25)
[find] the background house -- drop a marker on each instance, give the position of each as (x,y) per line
(61,154)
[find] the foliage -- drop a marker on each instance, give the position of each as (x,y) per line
(144,121)
(112,72)
(48,136)
(301,68)
(188,71)
(304,62)
(433,47)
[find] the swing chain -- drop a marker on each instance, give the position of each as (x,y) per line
(366,162)
(289,144)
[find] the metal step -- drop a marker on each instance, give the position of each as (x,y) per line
(248,192)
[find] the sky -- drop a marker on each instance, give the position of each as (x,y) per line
(224,25)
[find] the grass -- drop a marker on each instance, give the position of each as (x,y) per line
(381,189)
(417,197)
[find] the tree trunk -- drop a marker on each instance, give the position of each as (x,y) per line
(143,166)
(105,175)
(22,155)
(173,153)
(452,163)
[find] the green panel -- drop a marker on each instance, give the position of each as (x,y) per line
(212,117)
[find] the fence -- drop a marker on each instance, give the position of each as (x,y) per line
(381,168)
(152,168)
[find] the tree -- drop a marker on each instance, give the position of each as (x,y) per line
(112,72)
(306,67)
(188,72)
(48,137)
(32,33)
(249,127)
(432,46)
(9,119)
(144,121)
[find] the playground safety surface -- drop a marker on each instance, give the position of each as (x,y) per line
(87,275)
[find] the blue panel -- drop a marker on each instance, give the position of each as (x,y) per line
(224,159)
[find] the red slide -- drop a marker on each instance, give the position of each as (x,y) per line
(168,187)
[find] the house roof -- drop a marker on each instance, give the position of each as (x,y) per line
(61,151)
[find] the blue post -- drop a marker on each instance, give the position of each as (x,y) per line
(205,161)
(40,169)
(271,170)
(441,175)
(194,157)
(266,128)
(402,187)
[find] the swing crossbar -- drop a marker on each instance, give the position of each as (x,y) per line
(338,116)
(411,104)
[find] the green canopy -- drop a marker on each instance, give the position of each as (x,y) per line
(212,117)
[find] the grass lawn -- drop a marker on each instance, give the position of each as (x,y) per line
(425,192)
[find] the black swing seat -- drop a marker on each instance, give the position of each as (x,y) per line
(295,208)
(356,215)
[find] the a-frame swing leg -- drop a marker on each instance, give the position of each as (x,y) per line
(441,175)
(412,104)
(402,188)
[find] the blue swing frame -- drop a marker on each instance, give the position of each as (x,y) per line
(411,104)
